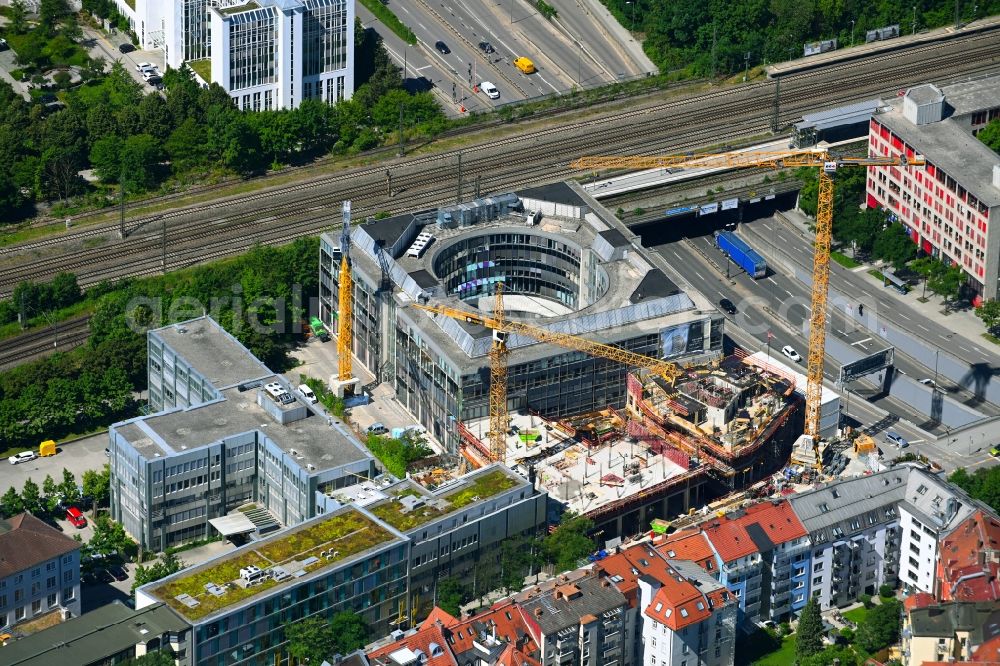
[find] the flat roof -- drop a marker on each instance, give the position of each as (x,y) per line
(312,440)
(950,147)
(100,633)
(304,552)
(560,193)
(212,351)
(850,114)
(474,487)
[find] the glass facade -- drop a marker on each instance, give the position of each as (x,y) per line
(253,49)
(197,30)
(324,37)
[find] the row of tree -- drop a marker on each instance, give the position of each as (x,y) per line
(722,36)
(139,139)
(48,500)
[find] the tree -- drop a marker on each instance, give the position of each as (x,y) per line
(140,155)
(983,485)
(894,245)
(947,282)
(97,486)
(516,559)
(989,313)
(881,627)
(569,543)
(830,655)
(159,658)
(168,564)
(64,290)
(990,135)
(10,503)
(186,146)
(68,488)
(18,17)
(451,594)
(51,493)
(809,635)
(110,537)
(312,640)
(885,591)
(31,496)
(50,12)
(351,631)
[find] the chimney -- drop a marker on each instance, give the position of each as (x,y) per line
(605,582)
(538,612)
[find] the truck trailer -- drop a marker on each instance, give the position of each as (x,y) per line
(742,254)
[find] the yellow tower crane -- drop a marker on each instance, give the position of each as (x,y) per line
(503,327)
(345,308)
(827,165)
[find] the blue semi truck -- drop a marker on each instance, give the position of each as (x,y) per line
(742,254)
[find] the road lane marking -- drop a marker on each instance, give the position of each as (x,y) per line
(904,316)
(923,328)
(700,277)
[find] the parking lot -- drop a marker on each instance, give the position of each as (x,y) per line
(77,456)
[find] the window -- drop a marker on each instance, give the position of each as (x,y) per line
(52,600)
(36,606)
(818,566)
(818,580)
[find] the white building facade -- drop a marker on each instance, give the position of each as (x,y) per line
(267,54)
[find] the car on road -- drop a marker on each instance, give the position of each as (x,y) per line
(126,48)
(995,452)
(307,393)
(789,352)
(486,48)
(525,65)
(490,90)
(75,518)
(894,437)
(927,381)
(107,451)
(377,428)
(23,456)
(442,47)
(727,306)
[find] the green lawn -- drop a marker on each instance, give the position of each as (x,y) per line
(857,616)
(844,260)
(784,656)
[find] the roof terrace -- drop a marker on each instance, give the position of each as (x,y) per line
(279,561)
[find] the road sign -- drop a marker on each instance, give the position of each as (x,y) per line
(867,365)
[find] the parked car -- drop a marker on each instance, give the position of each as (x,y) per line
(790,352)
(107,451)
(142,66)
(23,456)
(490,90)
(307,393)
(119,573)
(377,428)
(126,48)
(5,637)
(486,48)
(75,518)
(894,437)
(727,306)
(3,44)
(156,80)
(442,47)
(88,578)
(103,576)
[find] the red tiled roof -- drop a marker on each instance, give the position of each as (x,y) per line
(967,566)
(513,629)
(422,640)
(438,615)
(639,560)
(988,652)
(729,536)
(690,545)
(919,600)
(26,541)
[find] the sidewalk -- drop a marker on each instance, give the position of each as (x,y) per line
(964,322)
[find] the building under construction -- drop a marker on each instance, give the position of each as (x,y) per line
(721,426)
(566,264)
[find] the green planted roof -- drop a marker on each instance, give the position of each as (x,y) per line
(348,533)
(481,487)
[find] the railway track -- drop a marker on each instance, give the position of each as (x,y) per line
(220,229)
(63,336)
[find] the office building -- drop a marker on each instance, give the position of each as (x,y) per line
(225,432)
(267,54)
(39,571)
(946,206)
(109,634)
(566,264)
(239,603)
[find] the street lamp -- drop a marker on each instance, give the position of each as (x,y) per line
(852,32)
(914,27)
(632,23)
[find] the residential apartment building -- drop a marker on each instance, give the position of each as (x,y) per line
(39,571)
(239,603)
(763,556)
(946,206)
(109,634)
(969,563)
(225,431)
(267,54)
(950,632)
(855,535)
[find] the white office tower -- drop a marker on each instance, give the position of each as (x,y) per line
(268,54)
